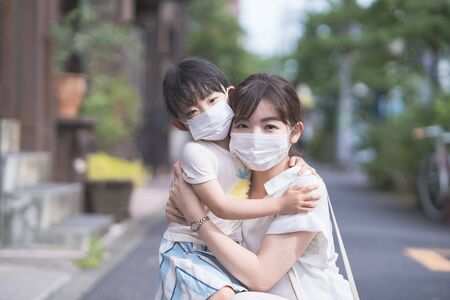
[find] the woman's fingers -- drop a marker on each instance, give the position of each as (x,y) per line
(177,169)
(172,210)
(172,216)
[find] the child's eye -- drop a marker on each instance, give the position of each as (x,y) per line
(240,125)
(191,113)
(212,100)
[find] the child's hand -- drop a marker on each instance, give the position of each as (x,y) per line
(304,167)
(296,161)
(299,199)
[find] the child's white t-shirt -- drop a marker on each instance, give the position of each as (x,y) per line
(203,161)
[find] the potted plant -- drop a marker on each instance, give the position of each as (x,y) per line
(86,45)
(71,83)
(110,183)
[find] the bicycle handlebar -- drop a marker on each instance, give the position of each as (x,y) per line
(429,131)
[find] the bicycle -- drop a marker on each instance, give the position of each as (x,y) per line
(433,182)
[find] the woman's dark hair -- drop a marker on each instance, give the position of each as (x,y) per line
(273,88)
(189,81)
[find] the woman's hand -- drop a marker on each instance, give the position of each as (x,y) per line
(299,199)
(183,198)
(173,214)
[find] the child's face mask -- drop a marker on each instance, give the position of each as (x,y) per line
(260,152)
(214,124)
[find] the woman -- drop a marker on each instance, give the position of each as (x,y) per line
(291,256)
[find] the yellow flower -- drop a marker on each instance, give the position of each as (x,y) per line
(101,166)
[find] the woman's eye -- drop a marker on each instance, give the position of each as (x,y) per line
(270,127)
(240,126)
(212,100)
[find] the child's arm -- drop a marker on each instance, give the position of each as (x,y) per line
(295,200)
(200,170)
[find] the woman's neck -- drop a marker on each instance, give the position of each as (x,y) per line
(259,178)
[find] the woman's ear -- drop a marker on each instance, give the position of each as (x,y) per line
(178,124)
(297,132)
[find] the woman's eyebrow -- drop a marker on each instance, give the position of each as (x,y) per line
(270,119)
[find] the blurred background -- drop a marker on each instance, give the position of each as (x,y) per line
(87,146)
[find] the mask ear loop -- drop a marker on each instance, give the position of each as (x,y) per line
(293,127)
(290,135)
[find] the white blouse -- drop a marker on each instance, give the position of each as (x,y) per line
(316,273)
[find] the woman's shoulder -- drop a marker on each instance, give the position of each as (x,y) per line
(309,178)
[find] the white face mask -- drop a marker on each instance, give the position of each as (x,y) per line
(260,152)
(214,124)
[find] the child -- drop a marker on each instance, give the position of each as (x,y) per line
(196,96)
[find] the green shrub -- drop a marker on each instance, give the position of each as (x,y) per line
(115,103)
(94,258)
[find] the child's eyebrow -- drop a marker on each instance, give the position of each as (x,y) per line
(214,94)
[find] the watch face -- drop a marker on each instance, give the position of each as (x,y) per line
(194,227)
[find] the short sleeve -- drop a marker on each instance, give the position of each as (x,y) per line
(198,163)
(314,221)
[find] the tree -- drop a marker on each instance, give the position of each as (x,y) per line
(327,54)
(215,34)
(392,45)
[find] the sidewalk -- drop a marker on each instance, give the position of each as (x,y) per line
(51,274)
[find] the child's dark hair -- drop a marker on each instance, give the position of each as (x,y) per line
(275,89)
(190,80)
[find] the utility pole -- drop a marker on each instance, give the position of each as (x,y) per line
(345,111)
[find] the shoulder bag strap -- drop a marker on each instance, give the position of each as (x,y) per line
(294,284)
(347,267)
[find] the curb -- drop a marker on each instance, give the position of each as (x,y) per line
(117,248)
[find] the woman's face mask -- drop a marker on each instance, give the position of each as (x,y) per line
(213,124)
(260,151)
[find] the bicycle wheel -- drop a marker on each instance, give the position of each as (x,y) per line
(431,188)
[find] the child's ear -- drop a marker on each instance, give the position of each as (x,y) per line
(297,132)
(232,94)
(178,124)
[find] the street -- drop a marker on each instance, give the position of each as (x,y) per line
(395,252)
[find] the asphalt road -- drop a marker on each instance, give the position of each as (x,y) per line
(378,228)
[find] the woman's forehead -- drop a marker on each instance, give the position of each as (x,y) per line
(265,111)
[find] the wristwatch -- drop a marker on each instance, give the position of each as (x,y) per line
(195,226)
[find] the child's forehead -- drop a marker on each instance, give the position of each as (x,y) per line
(200,98)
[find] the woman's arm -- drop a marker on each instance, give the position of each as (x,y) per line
(260,271)
(277,253)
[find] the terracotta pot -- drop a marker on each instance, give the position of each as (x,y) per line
(71,88)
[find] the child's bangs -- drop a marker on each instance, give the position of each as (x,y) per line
(193,92)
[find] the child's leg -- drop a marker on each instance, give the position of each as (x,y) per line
(225,293)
